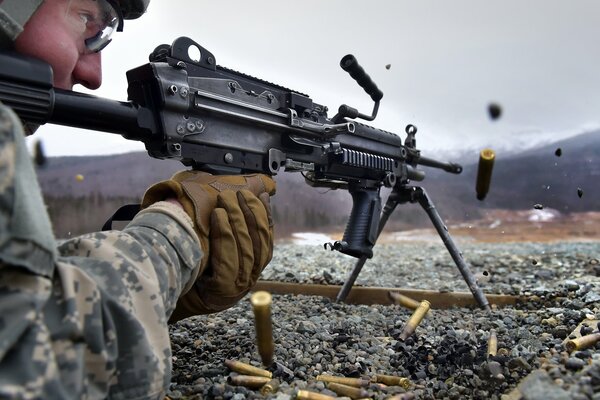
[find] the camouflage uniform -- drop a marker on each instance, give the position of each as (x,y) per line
(86,319)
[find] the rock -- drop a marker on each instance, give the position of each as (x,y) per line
(574,363)
(591,297)
(494,369)
(571,285)
(519,364)
(560,331)
(544,274)
(306,327)
(539,386)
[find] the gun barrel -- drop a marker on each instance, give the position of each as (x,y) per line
(90,112)
(446,166)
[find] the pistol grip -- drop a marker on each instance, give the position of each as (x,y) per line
(363,226)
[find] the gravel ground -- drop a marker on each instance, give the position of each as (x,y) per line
(445,358)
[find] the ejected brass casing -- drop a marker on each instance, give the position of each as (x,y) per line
(270,387)
(484,172)
(403,300)
(247,369)
(356,382)
(249,381)
(582,342)
(392,380)
(308,395)
(261,304)
(492,343)
(348,391)
(415,319)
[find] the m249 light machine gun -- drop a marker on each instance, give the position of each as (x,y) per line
(222,121)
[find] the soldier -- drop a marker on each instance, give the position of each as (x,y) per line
(87,317)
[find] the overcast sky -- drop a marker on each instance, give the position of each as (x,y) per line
(540,60)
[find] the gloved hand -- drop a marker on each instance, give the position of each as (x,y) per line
(232,218)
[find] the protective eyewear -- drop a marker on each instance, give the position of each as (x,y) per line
(94,21)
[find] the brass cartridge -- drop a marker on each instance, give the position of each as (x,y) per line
(348,391)
(261,304)
(247,369)
(484,173)
(392,380)
(270,387)
(582,342)
(249,381)
(415,319)
(492,343)
(356,382)
(403,300)
(308,395)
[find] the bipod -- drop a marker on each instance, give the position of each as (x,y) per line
(416,194)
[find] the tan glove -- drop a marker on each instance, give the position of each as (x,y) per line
(232,218)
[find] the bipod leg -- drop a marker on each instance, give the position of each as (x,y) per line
(425,202)
(390,206)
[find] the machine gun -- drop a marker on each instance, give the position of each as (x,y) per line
(215,119)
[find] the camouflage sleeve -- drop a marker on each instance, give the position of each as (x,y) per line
(125,284)
(90,322)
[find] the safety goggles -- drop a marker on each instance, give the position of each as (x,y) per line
(94,21)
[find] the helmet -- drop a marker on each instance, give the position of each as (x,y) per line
(131,9)
(15,13)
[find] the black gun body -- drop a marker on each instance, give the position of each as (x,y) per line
(221,121)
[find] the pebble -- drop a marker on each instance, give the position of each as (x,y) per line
(445,358)
(574,363)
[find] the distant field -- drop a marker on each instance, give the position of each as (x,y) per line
(503,226)
(516,226)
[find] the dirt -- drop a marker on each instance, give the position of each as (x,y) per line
(501,226)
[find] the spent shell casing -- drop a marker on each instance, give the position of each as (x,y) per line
(261,304)
(392,380)
(492,343)
(247,369)
(415,319)
(403,300)
(484,172)
(270,387)
(348,391)
(308,395)
(356,382)
(249,381)
(582,342)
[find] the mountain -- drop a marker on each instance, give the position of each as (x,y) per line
(535,176)
(520,180)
